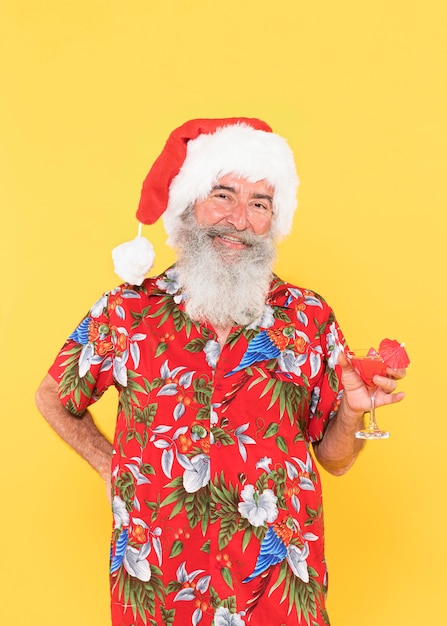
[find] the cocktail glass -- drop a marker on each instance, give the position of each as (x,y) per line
(368,363)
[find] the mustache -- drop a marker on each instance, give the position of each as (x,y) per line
(244,236)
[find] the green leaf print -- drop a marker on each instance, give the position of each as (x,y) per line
(262,482)
(321,327)
(196,345)
(221,436)
(224,506)
(177,548)
(333,379)
(167,615)
(291,398)
(125,486)
(229,602)
(71,406)
(170,310)
(206,546)
(300,595)
(226,575)
(248,333)
(228,527)
(138,595)
(272,429)
(314,514)
(71,382)
(281,315)
(197,508)
(203,390)
(128,394)
(146,416)
(248,534)
(161,348)
(139,317)
(281,443)
(195,504)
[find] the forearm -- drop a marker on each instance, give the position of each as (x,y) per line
(81,433)
(339,448)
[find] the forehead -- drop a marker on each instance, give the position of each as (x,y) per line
(244,185)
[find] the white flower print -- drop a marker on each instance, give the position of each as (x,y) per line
(258,508)
(242,440)
(334,346)
(170,284)
(177,385)
(120,513)
(134,559)
(136,564)
(214,418)
(315,399)
(289,361)
(99,305)
(264,464)
(190,592)
(223,617)
(198,473)
(296,558)
(212,352)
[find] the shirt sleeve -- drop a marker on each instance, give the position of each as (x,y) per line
(326,394)
(84,366)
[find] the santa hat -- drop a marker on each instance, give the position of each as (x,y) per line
(195,155)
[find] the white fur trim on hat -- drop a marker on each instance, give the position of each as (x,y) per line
(245,152)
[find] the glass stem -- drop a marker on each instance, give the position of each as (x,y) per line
(372,414)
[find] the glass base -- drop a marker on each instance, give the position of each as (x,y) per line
(373,433)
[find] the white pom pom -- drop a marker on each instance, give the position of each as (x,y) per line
(133,259)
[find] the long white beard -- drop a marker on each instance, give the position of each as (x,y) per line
(222,287)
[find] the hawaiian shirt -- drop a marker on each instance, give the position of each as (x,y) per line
(217,502)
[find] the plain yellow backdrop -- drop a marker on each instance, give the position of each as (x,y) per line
(89,92)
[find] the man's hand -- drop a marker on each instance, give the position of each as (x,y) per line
(339,448)
(356,394)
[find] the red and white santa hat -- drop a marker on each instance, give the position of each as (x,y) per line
(195,155)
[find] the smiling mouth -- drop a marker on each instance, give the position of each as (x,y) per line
(233,242)
(229,239)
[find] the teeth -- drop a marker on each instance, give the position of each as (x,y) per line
(233,239)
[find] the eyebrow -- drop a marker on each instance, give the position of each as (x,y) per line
(224,188)
(256,196)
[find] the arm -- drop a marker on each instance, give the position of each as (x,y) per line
(80,433)
(338,449)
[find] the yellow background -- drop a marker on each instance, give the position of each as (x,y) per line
(89,92)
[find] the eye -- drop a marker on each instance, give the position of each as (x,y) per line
(260,205)
(220,196)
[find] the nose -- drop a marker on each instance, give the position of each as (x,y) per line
(238,216)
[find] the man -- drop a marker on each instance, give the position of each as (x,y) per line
(226,374)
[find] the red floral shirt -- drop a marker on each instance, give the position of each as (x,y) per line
(216,499)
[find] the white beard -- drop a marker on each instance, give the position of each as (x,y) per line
(223,287)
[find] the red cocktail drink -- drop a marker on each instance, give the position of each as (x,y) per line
(368,366)
(370,363)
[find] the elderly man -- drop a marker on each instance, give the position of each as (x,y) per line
(226,375)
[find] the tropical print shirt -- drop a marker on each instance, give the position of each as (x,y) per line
(217,503)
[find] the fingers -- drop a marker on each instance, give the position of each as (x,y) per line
(396,374)
(386,388)
(388,385)
(343,361)
(389,398)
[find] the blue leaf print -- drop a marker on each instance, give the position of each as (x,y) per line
(80,334)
